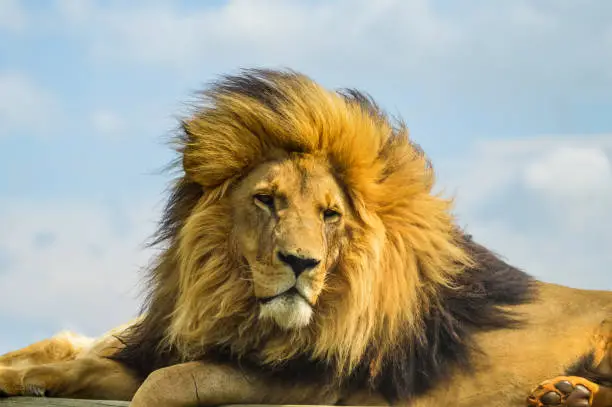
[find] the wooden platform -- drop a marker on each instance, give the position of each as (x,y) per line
(52,402)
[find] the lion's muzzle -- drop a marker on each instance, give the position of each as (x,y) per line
(293,307)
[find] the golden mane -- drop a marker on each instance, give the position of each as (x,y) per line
(403,248)
(385,290)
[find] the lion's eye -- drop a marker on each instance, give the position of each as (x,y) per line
(264,200)
(330,215)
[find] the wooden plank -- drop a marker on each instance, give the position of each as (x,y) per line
(53,402)
(56,402)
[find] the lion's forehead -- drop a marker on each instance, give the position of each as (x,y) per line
(302,181)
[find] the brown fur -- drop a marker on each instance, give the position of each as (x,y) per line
(396,300)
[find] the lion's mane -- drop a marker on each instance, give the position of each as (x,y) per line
(407,295)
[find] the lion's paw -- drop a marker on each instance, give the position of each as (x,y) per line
(10,382)
(566,391)
(14,382)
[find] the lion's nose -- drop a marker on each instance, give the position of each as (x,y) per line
(298,264)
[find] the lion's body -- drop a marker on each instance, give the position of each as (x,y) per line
(306,260)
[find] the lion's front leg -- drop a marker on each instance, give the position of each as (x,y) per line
(87,378)
(201,384)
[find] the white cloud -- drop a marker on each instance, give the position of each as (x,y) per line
(107,122)
(567,172)
(25,105)
(12,16)
(72,266)
(543,203)
(548,163)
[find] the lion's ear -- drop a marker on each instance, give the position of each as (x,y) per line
(213,153)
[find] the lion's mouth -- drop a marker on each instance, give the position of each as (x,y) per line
(289,309)
(288,293)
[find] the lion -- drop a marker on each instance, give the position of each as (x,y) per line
(305,259)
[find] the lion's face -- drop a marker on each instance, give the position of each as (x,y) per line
(289,219)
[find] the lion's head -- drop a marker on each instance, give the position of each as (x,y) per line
(290,226)
(304,225)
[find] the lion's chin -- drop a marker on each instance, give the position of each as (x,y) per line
(289,311)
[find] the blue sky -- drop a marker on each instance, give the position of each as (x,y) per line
(511,100)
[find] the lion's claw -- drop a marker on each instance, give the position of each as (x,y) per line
(34,390)
(567,391)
